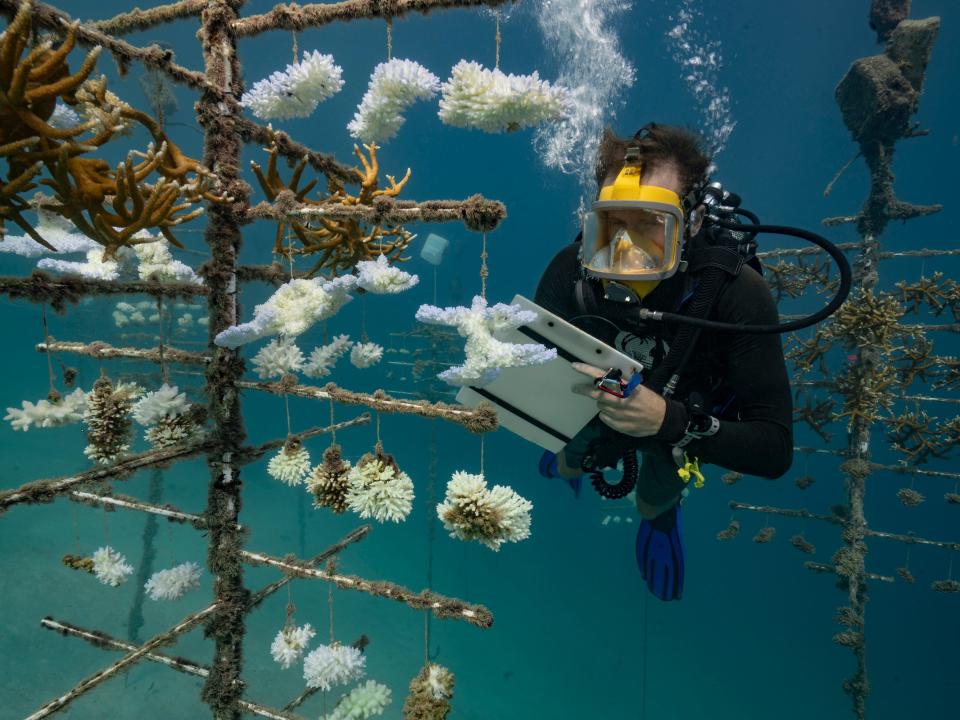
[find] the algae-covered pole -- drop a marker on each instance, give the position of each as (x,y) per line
(216,113)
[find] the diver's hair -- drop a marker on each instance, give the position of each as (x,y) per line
(657,144)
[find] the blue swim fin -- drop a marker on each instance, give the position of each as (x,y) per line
(660,554)
(548,468)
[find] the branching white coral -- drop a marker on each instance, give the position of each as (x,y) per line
(297,90)
(489,100)
(394,86)
(330,665)
(290,465)
(289,644)
(95,268)
(173,583)
(291,310)
(486,356)
(379,489)
(45,414)
(471,511)
(110,567)
(56,230)
(381,278)
(157,263)
(170,431)
(364,355)
(364,701)
(166,402)
(278,358)
(439,680)
(324,357)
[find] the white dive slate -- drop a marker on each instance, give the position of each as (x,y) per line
(536,402)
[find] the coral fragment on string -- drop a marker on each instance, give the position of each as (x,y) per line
(330,665)
(363,702)
(295,91)
(378,488)
(381,278)
(324,357)
(394,86)
(173,583)
(52,412)
(430,694)
(365,354)
(291,465)
(110,567)
(278,358)
(492,516)
(289,644)
(330,480)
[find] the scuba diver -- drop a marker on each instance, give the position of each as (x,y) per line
(664,272)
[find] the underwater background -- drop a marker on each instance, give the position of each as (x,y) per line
(576,634)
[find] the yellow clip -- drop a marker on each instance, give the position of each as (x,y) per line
(691,469)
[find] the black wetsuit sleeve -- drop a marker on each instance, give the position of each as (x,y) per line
(760,442)
(555,291)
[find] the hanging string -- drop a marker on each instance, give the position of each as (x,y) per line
(106,527)
(331,567)
(378,427)
(496,64)
(389,38)
(290,609)
(296,52)
(482,438)
(76,527)
(363,318)
(426,638)
(333,431)
(286,402)
(484,272)
(46,340)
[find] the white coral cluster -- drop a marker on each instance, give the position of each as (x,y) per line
(53,228)
(289,644)
(110,567)
(157,263)
(45,414)
(291,310)
(290,465)
(379,490)
(364,701)
(381,278)
(394,86)
(135,314)
(278,358)
(173,583)
(471,511)
(63,117)
(364,355)
(95,267)
(296,91)
(486,356)
(330,665)
(324,357)
(166,402)
(488,100)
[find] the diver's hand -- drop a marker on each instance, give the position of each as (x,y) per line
(639,415)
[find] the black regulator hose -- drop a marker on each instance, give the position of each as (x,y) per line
(846,278)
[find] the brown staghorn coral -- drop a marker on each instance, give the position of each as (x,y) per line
(430,693)
(340,244)
(329,480)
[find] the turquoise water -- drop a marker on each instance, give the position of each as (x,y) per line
(575,635)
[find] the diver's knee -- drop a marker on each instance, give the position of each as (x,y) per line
(649,512)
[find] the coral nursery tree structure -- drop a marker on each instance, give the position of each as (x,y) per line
(218,182)
(884,358)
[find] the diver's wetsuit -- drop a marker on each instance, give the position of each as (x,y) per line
(746,373)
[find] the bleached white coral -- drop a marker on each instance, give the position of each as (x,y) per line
(157,263)
(165,402)
(53,228)
(63,117)
(290,465)
(95,267)
(330,665)
(173,583)
(379,489)
(175,430)
(471,511)
(110,567)
(324,357)
(486,356)
(289,644)
(297,90)
(364,701)
(364,355)
(489,100)
(439,680)
(291,310)
(44,414)
(381,278)
(278,358)
(394,86)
